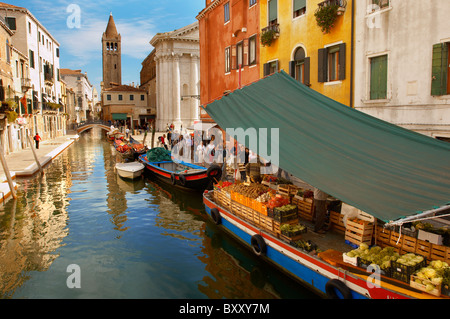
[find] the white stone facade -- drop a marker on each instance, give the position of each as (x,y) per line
(177,77)
(405,32)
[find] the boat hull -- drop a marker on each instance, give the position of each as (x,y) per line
(132,171)
(309,270)
(198,181)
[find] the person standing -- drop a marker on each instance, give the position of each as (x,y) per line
(320,210)
(37,139)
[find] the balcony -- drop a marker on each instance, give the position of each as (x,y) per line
(48,78)
(270,33)
(26,84)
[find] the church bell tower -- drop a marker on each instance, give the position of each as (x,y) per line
(112,50)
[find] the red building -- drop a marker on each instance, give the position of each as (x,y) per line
(229,37)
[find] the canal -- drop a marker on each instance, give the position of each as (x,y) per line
(79,231)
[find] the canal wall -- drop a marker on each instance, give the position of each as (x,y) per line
(23,163)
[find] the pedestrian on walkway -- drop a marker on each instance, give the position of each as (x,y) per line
(37,139)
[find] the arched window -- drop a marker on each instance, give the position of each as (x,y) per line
(299,68)
(107,46)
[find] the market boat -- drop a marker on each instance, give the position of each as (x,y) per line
(393,175)
(180,174)
(130,170)
(138,148)
(115,134)
(319,261)
(124,149)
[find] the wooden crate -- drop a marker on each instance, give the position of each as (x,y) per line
(396,240)
(382,235)
(435,292)
(359,232)
(409,244)
(337,222)
(266,223)
(305,207)
(423,248)
(439,252)
(277,224)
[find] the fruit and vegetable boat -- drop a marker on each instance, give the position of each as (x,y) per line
(328,264)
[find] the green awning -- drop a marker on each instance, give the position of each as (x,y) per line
(119,116)
(380,168)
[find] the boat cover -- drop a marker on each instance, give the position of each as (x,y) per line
(158,154)
(382,169)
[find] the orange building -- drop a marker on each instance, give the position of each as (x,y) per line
(229,37)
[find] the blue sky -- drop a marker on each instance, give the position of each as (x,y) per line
(136,20)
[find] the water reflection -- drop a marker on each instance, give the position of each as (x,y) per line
(139,239)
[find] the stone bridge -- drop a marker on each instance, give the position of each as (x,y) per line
(89,125)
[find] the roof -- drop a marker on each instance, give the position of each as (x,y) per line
(382,169)
(182,34)
(70,72)
(123,88)
(111,30)
(7,5)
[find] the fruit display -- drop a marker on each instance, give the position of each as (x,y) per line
(306,245)
(253,190)
(431,277)
(375,255)
(277,201)
(264,198)
(293,230)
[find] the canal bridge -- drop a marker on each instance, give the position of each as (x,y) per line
(84,126)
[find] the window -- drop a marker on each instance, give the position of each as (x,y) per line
(331,65)
(240,55)
(11,23)
(271,67)
(226,12)
(31,58)
(273,12)
(108,97)
(299,7)
(57,52)
(131,97)
(252,53)
(381,4)
(378,77)
(251,2)
(227,60)
(29,27)
(8,56)
(120,97)
(299,68)
(142,97)
(440,73)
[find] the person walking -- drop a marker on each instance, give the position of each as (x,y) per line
(37,139)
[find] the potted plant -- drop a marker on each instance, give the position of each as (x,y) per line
(11,116)
(326,16)
(54,106)
(267,37)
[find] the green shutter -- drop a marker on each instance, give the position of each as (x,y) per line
(299,4)
(342,61)
(322,65)
(307,71)
(378,78)
(273,10)
(439,69)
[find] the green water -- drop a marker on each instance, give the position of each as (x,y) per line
(79,231)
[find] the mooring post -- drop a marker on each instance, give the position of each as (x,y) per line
(34,153)
(7,173)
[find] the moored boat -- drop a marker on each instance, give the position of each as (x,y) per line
(182,175)
(327,272)
(123,149)
(131,170)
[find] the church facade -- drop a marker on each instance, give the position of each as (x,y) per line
(177,81)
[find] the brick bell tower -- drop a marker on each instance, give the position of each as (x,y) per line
(112,50)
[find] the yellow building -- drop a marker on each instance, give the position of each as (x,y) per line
(297,45)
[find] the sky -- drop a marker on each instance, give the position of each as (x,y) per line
(78,26)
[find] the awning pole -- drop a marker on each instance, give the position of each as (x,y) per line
(419,216)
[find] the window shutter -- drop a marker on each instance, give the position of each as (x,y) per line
(378,78)
(307,71)
(299,4)
(277,66)
(266,69)
(439,69)
(292,68)
(342,61)
(245,56)
(273,10)
(322,66)
(233,57)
